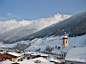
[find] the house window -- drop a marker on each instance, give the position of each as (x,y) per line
(59,47)
(66,41)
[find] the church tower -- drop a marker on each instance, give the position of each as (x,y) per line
(65,40)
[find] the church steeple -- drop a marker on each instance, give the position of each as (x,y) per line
(65,40)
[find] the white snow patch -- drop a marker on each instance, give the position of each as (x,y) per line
(77,54)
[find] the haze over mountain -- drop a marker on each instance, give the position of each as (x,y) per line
(14,30)
(75,25)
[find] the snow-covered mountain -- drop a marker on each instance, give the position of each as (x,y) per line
(13,29)
(54,42)
(75,25)
(45,36)
(43,40)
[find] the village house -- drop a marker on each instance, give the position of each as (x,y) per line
(76,56)
(12,56)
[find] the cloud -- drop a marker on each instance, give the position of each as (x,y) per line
(39,23)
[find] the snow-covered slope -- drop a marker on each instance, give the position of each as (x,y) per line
(42,44)
(52,44)
(13,29)
(75,25)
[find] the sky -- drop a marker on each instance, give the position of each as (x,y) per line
(35,9)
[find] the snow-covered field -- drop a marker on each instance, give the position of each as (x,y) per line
(53,42)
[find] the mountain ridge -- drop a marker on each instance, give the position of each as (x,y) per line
(75,25)
(29,28)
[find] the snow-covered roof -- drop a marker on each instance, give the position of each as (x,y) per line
(15,54)
(2,52)
(36,53)
(41,54)
(55,60)
(32,61)
(65,37)
(44,54)
(76,54)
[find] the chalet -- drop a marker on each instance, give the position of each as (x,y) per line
(12,56)
(76,56)
(35,55)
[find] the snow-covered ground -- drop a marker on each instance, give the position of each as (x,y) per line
(6,62)
(43,44)
(40,60)
(33,61)
(79,56)
(53,42)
